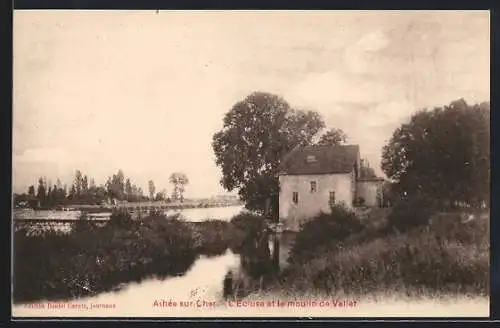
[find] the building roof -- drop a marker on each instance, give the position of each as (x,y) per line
(320,160)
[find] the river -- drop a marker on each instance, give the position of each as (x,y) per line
(190,214)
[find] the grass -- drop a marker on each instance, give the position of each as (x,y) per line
(441,255)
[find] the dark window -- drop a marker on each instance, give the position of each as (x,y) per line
(332,197)
(295,197)
(314,187)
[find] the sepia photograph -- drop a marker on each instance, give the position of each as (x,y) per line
(301,164)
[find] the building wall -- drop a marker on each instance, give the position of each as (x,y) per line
(310,204)
(368,190)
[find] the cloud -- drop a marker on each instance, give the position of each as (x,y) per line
(374,41)
(53,155)
(360,55)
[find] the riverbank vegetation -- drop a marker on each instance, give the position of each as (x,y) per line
(92,259)
(441,254)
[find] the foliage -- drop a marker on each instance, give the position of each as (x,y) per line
(151,189)
(444,257)
(251,224)
(95,259)
(257,133)
(214,237)
(443,153)
(85,191)
(92,258)
(120,218)
(366,171)
(333,137)
(179,180)
(408,213)
(325,230)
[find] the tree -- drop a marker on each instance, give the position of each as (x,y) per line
(179,180)
(85,185)
(41,192)
(49,200)
(120,184)
(78,183)
(151,189)
(31,191)
(442,154)
(257,133)
(366,171)
(160,196)
(72,195)
(115,186)
(128,190)
(333,137)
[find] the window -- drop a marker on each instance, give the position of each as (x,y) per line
(314,187)
(311,159)
(295,197)
(332,197)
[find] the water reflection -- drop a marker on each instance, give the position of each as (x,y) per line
(261,260)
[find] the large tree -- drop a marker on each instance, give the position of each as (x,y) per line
(257,133)
(333,137)
(443,154)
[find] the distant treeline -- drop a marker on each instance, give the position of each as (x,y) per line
(84,190)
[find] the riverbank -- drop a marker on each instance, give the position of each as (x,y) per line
(445,255)
(93,259)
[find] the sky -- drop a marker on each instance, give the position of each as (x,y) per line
(144,91)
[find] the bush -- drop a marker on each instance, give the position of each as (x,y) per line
(213,237)
(83,224)
(249,223)
(407,214)
(325,230)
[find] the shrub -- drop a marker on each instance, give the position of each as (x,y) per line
(325,230)
(213,237)
(83,224)
(120,218)
(249,223)
(407,214)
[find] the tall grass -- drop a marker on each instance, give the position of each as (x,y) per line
(433,256)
